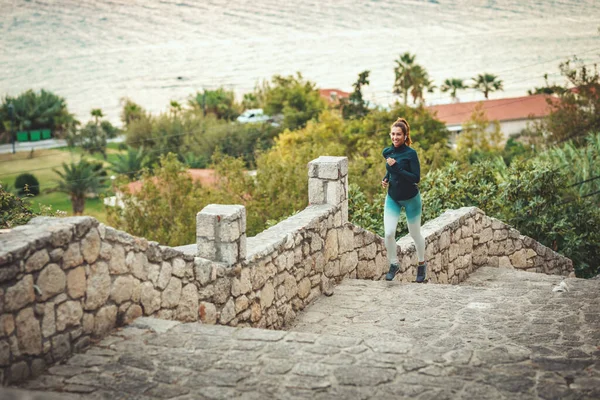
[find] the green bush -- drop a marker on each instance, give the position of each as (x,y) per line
(27,184)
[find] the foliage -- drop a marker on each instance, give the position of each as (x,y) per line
(411,78)
(515,149)
(131,112)
(33,110)
(476,141)
(355,106)
(78,180)
(297,99)
(220,102)
(576,112)
(16,211)
(165,207)
(93,137)
(13,210)
(27,184)
(368,215)
(487,83)
(579,163)
(547,89)
(453,85)
(130,164)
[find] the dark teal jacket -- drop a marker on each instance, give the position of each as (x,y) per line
(405,174)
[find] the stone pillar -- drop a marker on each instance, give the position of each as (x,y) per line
(221,233)
(328,182)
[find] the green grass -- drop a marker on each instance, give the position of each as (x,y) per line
(41,163)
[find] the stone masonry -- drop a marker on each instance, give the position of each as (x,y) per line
(70,281)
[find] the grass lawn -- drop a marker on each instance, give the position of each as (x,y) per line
(41,163)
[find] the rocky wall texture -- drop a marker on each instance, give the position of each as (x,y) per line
(67,281)
(457,243)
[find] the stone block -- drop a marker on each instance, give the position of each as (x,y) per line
(316,191)
(29,333)
(20,294)
(37,261)
(76,282)
(90,246)
(72,257)
(172,293)
(105,321)
(122,289)
(117,263)
(51,281)
(150,298)
(98,286)
(228,312)
(187,310)
(68,314)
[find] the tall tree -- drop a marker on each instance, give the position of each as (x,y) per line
(420,84)
(453,85)
(77,180)
(487,83)
(403,72)
(355,106)
(131,112)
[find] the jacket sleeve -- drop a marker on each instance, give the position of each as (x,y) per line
(412,176)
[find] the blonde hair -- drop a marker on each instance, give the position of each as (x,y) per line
(403,124)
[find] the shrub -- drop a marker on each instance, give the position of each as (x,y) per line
(27,184)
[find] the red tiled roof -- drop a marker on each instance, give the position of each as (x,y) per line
(514,108)
(205,176)
(333,95)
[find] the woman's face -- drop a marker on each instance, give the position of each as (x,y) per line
(398,137)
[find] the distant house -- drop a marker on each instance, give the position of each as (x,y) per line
(513,114)
(333,96)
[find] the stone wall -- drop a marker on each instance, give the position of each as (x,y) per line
(66,282)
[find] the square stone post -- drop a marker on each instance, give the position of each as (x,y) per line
(221,233)
(328,182)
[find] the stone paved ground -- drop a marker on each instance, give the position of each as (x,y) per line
(501,335)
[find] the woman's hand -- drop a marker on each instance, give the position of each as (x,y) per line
(390,161)
(384,183)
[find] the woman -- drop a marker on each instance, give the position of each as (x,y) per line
(403,174)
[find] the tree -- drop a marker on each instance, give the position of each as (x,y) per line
(33,110)
(576,111)
(477,138)
(453,85)
(97,114)
(78,180)
(487,83)
(130,164)
(219,102)
(355,106)
(403,72)
(420,84)
(297,99)
(165,207)
(131,112)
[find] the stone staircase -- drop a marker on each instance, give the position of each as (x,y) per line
(502,334)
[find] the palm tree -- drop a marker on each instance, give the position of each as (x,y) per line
(131,111)
(131,164)
(77,180)
(487,83)
(97,114)
(420,83)
(403,71)
(453,85)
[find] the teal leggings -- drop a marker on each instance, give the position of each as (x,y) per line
(391,215)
